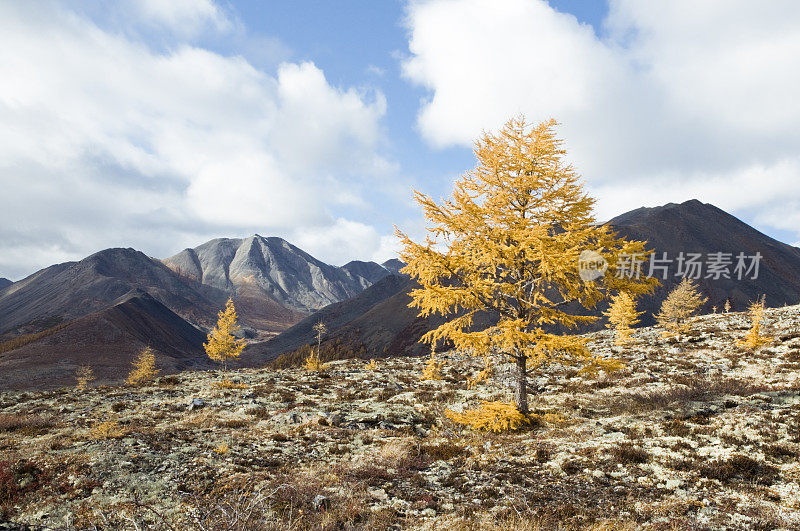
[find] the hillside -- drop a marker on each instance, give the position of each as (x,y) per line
(338,318)
(695,227)
(693,435)
(73,289)
(4,282)
(108,340)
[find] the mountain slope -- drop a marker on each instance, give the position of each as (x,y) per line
(368,270)
(337,318)
(108,340)
(66,291)
(695,227)
(4,282)
(270,267)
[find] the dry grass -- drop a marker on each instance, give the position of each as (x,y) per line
(29,425)
(108,429)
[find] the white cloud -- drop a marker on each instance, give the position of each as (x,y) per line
(105,141)
(338,241)
(187,17)
(682,99)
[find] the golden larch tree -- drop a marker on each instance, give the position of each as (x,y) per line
(84,374)
(143,368)
(755,338)
(222,342)
(679,306)
(508,242)
(314,360)
(622,316)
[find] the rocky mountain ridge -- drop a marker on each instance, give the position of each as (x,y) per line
(283,272)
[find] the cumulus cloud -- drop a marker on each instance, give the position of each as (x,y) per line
(676,100)
(105,141)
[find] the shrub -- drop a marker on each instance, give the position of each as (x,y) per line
(682,303)
(109,429)
(227,384)
(84,375)
(144,368)
(739,467)
(25,424)
(627,453)
(755,338)
(433,369)
(497,417)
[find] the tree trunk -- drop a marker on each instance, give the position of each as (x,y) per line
(521,393)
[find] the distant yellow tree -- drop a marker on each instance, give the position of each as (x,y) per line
(727,306)
(314,360)
(433,368)
(754,337)
(508,243)
(679,306)
(622,316)
(84,374)
(143,367)
(222,343)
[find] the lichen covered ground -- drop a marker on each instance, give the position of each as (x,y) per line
(696,434)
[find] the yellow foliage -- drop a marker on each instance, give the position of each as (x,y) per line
(144,367)
(487,371)
(433,369)
(313,363)
(508,242)
(497,417)
(622,315)
(754,338)
(109,429)
(372,365)
(679,306)
(222,449)
(227,384)
(84,375)
(222,343)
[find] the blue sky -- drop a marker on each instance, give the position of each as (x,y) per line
(160,125)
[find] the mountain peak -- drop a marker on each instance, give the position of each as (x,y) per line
(275,269)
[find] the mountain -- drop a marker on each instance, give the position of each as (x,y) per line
(369,270)
(695,227)
(389,327)
(274,269)
(338,318)
(108,340)
(4,282)
(394,265)
(70,290)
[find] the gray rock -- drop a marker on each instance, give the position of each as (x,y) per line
(321,503)
(196,403)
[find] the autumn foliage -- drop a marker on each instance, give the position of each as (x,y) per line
(507,243)
(622,316)
(680,305)
(144,368)
(755,337)
(222,344)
